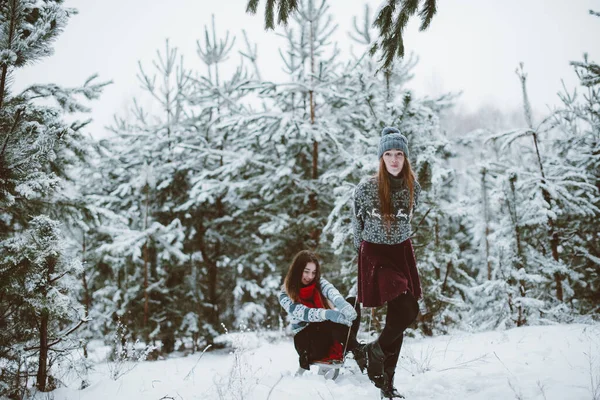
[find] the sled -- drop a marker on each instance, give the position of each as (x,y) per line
(329,369)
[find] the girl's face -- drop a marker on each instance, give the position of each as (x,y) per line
(394,161)
(309,273)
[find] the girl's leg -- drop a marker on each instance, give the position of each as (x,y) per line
(313,342)
(401,312)
(302,344)
(391,359)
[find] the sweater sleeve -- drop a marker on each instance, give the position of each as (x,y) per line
(417,195)
(332,293)
(299,311)
(358,222)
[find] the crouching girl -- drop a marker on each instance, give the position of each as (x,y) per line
(320,316)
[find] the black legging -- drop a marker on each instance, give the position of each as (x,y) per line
(316,339)
(402,311)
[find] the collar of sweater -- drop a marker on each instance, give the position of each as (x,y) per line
(396,182)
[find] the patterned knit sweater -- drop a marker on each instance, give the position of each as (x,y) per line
(367,222)
(300,315)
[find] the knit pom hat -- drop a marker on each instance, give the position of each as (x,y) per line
(391,138)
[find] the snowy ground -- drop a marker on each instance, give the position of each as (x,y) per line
(540,362)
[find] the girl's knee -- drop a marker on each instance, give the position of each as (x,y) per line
(405,309)
(411,308)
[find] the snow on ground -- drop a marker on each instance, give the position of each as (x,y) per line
(539,362)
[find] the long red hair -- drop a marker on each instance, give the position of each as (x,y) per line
(385,190)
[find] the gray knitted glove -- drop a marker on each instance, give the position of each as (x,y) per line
(337,317)
(348,311)
(345,308)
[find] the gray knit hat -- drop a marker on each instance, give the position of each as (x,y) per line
(391,138)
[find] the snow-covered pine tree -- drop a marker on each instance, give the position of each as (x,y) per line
(488,228)
(579,122)
(140,255)
(87,230)
(42,307)
(501,292)
(217,233)
(549,197)
(276,159)
(37,149)
(517,291)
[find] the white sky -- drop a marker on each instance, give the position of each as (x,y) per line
(473,46)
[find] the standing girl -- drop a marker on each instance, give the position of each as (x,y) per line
(387,272)
(319,314)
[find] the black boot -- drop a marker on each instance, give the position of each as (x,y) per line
(389,369)
(360,356)
(389,392)
(304,364)
(371,356)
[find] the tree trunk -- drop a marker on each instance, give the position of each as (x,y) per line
(388,90)
(315,150)
(42,373)
(436,244)
(552,234)
(213,273)
(515,216)
(521,320)
(18,379)
(86,292)
(11,33)
(212,317)
(212,293)
(487,222)
(3,84)
(448,269)
(146,308)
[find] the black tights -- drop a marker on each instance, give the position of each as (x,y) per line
(402,311)
(315,340)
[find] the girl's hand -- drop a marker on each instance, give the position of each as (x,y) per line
(337,317)
(348,311)
(345,308)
